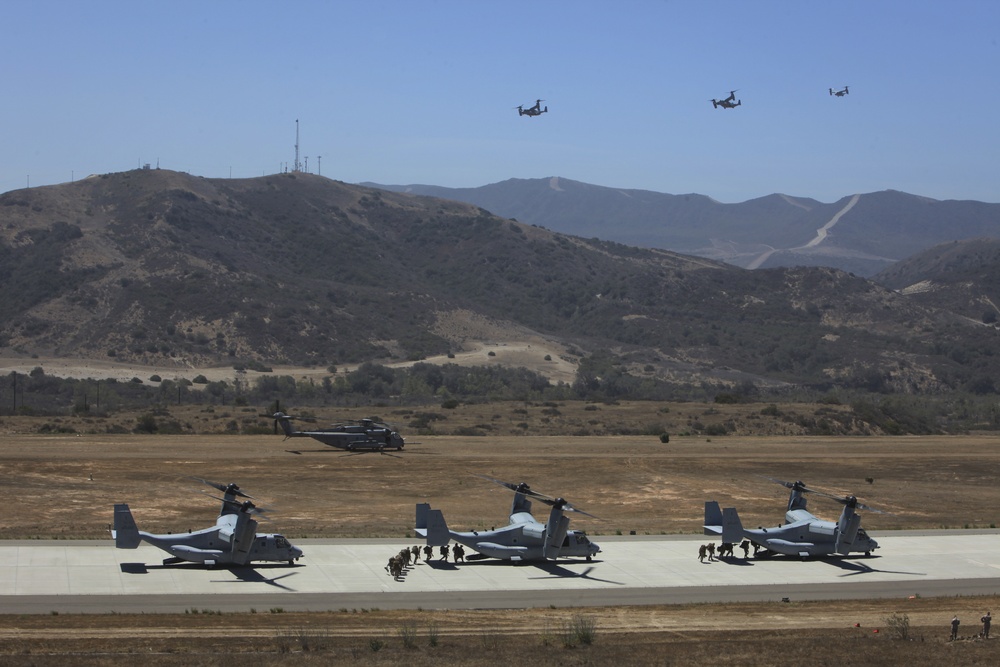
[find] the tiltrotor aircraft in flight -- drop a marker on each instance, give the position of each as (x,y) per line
(536,110)
(729,103)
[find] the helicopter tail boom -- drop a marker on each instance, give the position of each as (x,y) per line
(285,422)
(125,533)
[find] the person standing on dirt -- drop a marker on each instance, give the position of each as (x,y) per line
(954,628)
(986,620)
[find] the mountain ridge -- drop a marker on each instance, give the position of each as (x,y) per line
(769,231)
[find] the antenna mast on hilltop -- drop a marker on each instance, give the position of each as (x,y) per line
(296,166)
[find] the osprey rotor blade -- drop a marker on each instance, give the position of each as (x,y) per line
(789,485)
(246,506)
(570,508)
(518,488)
(853,502)
(565,506)
(869,508)
(798,485)
(225,488)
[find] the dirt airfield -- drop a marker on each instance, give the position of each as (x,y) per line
(63,486)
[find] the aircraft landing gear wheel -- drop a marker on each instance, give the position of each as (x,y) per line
(589,558)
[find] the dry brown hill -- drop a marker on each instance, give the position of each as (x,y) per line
(163,268)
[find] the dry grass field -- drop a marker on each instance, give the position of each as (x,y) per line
(63,486)
(834,634)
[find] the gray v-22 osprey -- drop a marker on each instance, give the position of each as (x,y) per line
(803,534)
(523,539)
(233,540)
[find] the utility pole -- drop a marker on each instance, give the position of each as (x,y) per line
(319,165)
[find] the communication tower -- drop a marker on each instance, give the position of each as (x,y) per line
(297,166)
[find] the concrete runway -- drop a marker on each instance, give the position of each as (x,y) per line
(94,577)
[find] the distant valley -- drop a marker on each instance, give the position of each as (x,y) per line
(861,233)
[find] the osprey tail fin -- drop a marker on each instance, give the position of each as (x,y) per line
(125,532)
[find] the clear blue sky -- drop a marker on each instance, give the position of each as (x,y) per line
(422,91)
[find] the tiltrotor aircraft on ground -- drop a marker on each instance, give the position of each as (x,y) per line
(536,110)
(233,540)
(803,534)
(839,93)
(729,103)
(524,539)
(364,434)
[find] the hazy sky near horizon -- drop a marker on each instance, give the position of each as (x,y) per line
(403,92)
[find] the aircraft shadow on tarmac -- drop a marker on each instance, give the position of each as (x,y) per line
(554,569)
(557,571)
(733,560)
(250,575)
(855,568)
(853,565)
(244,574)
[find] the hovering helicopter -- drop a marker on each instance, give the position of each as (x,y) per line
(536,110)
(525,539)
(839,93)
(727,103)
(803,534)
(364,434)
(233,540)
